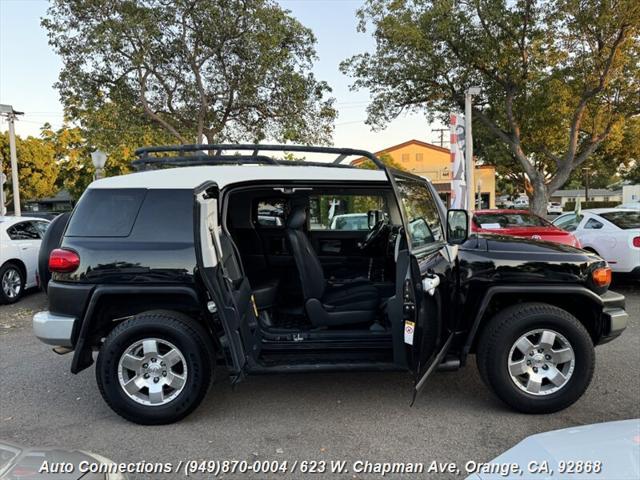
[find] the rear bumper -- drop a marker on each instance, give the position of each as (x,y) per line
(54,329)
(614,317)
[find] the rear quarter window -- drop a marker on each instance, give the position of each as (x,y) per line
(623,220)
(106,212)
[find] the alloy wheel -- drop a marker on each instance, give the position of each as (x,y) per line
(541,362)
(11,283)
(152,372)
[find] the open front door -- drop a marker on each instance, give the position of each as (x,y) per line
(427,276)
(230,295)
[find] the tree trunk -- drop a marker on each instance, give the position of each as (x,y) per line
(538,203)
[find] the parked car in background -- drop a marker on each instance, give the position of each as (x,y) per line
(350,221)
(612,233)
(18,462)
(19,244)
(522,202)
(554,208)
(570,453)
(630,205)
(520,223)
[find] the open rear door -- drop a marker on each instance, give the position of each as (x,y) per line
(426,281)
(230,295)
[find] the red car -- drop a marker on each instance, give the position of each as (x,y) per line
(520,223)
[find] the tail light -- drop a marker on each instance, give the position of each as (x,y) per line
(636,242)
(601,277)
(63,261)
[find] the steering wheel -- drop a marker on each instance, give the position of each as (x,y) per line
(374,235)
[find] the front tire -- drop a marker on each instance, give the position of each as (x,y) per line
(154,368)
(12,281)
(535,357)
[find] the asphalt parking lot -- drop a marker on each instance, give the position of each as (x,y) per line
(339,416)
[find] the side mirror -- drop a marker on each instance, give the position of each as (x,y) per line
(457,226)
(373,217)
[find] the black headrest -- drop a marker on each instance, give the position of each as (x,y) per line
(297,218)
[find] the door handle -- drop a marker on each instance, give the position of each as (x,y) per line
(429,284)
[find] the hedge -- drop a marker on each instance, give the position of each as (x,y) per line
(571,206)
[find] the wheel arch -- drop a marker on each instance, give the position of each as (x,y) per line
(581,302)
(109,305)
(19,263)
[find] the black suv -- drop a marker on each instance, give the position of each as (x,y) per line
(242,259)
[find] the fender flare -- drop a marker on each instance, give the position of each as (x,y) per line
(547,289)
(82,355)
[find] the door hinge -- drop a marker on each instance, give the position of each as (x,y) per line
(429,284)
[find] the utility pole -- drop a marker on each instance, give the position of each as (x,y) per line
(468,140)
(587,172)
(10,113)
(441,131)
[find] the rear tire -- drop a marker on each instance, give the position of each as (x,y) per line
(535,357)
(154,388)
(12,280)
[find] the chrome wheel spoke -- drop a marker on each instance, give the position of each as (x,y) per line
(533,384)
(547,339)
(524,345)
(131,362)
(156,394)
(518,368)
(562,355)
(556,377)
(150,346)
(175,381)
(171,358)
(134,385)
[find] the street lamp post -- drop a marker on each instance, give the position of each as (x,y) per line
(468,140)
(11,114)
(98,158)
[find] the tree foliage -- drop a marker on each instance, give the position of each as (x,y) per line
(37,170)
(226,70)
(558,77)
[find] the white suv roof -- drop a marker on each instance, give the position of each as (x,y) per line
(224,175)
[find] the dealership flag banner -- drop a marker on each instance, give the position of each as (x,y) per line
(458,180)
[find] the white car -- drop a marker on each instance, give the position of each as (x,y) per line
(630,205)
(554,208)
(521,203)
(612,233)
(20,239)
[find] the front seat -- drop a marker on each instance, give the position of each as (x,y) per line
(348,304)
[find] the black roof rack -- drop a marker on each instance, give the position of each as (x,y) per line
(212,154)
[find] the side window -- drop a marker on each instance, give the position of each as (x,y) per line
(421,211)
(270,213)
(343,212)
(41,227)
(593,224)
(24,231)
(569,223)
(106,212)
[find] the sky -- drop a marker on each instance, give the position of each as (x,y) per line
(29,68)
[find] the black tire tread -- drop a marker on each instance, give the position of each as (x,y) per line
(490,338)
(175,320)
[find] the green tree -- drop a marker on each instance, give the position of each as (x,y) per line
(558,77)
(385,158)
(229,70)
(37,169)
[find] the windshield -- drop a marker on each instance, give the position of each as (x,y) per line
(623,220)
(508,220)
(350,222)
